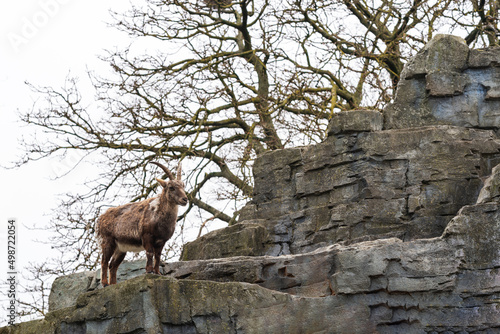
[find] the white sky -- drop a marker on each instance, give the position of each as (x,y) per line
(41,41)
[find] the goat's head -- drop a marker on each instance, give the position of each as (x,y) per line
(173,189)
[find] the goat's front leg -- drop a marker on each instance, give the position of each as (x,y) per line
(148,246)
(149,261)
(147,243)
(157,259)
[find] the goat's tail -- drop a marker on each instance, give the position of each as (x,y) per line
(98,229)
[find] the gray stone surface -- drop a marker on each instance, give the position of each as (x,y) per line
(484,57)
(75,284)
(446,83)
(444,284)
(491,189)
(242,239)
(440,84)
(355,121)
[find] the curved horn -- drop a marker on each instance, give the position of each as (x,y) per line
(165,169)
(179,170)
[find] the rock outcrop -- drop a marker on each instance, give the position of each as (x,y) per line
(357,186)
(391,225)
(445,83)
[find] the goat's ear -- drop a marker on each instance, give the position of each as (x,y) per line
(163,183)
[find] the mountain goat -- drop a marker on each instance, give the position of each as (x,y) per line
(146,225)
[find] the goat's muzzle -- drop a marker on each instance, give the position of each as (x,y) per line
(184,201)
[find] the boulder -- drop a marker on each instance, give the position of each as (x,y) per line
(75,284)
(446,83)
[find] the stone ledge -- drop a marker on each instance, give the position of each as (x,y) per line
(355,121)
(368,284)
(480,58)
(366,287)
(242,239)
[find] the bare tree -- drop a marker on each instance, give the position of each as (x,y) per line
(227,81)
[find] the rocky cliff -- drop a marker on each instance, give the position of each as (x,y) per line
(391,225)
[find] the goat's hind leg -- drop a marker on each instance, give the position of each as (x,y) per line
(114,264)
(107,252)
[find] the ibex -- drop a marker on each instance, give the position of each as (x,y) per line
(146,225)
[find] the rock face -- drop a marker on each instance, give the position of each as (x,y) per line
(445,284)
(358,186)
(445,83)
(391,225)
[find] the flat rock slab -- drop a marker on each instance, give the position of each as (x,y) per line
(355,121)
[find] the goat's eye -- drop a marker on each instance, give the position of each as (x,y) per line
(171,188)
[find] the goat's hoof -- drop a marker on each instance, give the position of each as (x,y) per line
(105,285)
(153,273)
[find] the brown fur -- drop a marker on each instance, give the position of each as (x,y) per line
(147,225)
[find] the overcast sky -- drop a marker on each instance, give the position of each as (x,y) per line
(42,41)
